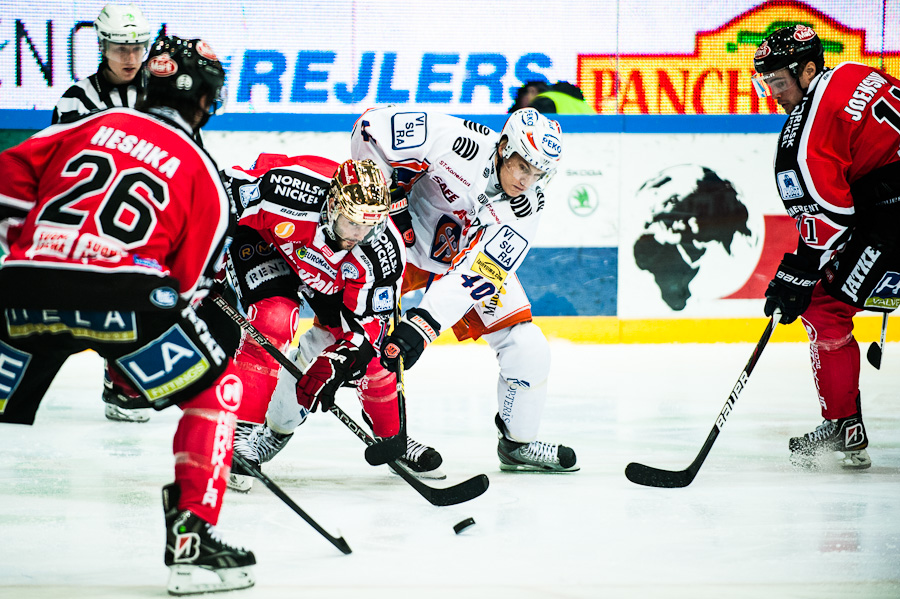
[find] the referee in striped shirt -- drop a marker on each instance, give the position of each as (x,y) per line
(124,35)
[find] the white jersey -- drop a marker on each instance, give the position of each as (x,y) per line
(467,229)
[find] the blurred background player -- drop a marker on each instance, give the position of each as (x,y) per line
(561,98)
(526,93)
(98,260)
(474,201)
(838,174)
(124,37)
(312,230)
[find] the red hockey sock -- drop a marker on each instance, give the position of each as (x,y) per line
(377,392)
(203,446)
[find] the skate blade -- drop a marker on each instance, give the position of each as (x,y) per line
(832,461)
(193,580)
(535,468)
(240,483)
(117,414)
(436,474)
(854,460)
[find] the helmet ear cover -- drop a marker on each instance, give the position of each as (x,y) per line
(360,194)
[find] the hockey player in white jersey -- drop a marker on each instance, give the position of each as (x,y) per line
(468,201)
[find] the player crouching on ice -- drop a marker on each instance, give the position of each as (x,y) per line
(312,230)
(469,202)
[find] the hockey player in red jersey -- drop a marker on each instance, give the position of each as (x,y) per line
(315,231)
(469,201)
(114,226)
(837,170)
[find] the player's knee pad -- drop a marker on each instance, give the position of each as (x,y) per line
(523,353)
(276,318)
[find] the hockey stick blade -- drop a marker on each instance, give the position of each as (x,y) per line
(338,542)
(458,493)
(386,450)
(673,479)
(874,356)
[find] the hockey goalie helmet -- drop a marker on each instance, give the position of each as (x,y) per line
(187,70)
(782,54)
(118,24)
(534,137)
(358,203)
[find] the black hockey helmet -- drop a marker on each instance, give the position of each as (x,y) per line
(185,71)
(789,47)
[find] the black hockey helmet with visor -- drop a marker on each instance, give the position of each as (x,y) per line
(358,203)
(187,70)
(781,55)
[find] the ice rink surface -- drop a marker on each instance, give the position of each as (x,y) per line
(80,511)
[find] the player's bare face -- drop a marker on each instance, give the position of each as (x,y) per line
(516,175)
(349,233)
(124,62)
(786,91)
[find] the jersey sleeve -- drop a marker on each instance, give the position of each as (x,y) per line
(394,141)
(492,256)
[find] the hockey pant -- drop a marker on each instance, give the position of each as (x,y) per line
(504,320)
(170,358)
(376,391)
(834,353)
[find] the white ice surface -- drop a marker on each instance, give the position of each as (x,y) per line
(80,512)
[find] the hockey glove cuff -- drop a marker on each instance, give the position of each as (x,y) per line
(791,289)
(409,339)
(336,365)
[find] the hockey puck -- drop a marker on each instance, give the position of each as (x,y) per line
(463,524)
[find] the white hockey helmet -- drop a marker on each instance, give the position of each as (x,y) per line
(119,24)
(534,137)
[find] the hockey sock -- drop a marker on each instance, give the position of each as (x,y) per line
(203,446)
(276,318)
(835,366)
(377,392)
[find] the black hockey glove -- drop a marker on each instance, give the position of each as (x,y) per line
(400,213)
(336,365)
(791,289)
(409,339)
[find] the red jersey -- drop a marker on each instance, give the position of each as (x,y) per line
(119,193)
(847,125)
(282,199)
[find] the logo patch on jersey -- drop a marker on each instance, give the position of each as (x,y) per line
(148,262)
(315,259)
(246,252)
(284,229)
(447,235)
(13,362)
(383,299)
(248,193)
(489,269)
(886,293)
(465,148)
(349,271)
(164,297)
(267,271)
(55,243)
(410,130)
(506,247)
(110,326)
(789,185)
(166,365)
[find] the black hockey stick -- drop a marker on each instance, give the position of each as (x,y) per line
(655,477)
(392,448)
(459,493)
(338,542)
(876,350)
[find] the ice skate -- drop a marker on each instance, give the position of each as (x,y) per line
(257,445)
(113,400)
(422,461)
(536,456)
(194,550)
(844,438)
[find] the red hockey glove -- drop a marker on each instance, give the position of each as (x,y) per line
(409,339)
(791,289)
(336,365)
